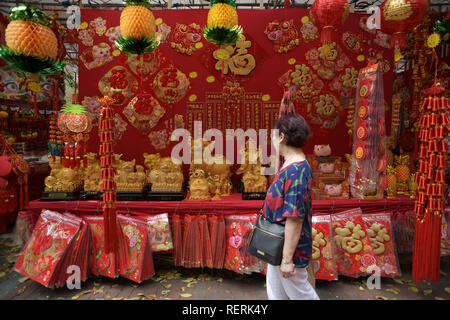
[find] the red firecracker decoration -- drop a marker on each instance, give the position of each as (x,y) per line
(108,186)
(329,15)
(430,201)
(398,17)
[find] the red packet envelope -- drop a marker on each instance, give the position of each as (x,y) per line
(49,241)
(351,242)
(205,242)
(323,255)
(135,240)
(237,258)
(177,239)
(81,246)
(379,230)
(159,232)
(101,263)
(217,235)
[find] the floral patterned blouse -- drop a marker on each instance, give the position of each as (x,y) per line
(290,196)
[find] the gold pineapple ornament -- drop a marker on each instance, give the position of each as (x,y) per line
(222,24)
(137,28)
(137,20)
(31,44)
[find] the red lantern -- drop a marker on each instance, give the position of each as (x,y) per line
(329,15)
(398,17)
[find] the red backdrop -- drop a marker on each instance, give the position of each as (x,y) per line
(240,101)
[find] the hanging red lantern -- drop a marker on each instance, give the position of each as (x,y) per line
(398,17)
(329,15)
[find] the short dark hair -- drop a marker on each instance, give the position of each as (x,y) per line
(295,129)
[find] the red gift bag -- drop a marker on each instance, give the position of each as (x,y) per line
(322,254)
(379,230)
(135,241)
(45,251)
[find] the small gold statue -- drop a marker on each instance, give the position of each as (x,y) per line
(127,179)
(218,173)
(62,179)
(199,186)
(92,180)
(252,178)
(167,176)
(151,163)
(402,174)
(391,182)
(412,186)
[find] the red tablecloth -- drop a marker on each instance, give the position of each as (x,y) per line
(227,205)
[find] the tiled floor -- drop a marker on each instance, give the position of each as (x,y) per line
(179,283)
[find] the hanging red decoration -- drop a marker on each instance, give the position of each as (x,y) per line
(108,186)
(329,15)
(75,124)
(430,200)
(398,17)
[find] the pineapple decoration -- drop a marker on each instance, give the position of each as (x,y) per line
(31,45)
(137,28)
(222,25)
(75,125)
(402,174)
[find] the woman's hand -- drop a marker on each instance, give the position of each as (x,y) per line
(287,270)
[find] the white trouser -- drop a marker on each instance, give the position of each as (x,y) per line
(296,287)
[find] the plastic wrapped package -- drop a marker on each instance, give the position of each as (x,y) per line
(80,252)
(367,172)
(237,257)
(47,248)
(379,230)
(23,228)
(135,250)
(353,250)
(101,263)
(160,235)
(323,253)
(403,225)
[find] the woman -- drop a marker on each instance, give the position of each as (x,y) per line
(288,202)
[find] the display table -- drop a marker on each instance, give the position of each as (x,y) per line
(232,204)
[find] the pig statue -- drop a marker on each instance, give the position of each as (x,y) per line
(333,189)
(322,150)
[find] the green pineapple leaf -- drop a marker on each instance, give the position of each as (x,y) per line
(229,2)
(222,35)
(31,64)
(73,109)
(137,46)
(142,3)
(27,13)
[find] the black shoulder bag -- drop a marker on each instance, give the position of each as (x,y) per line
(266,241)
